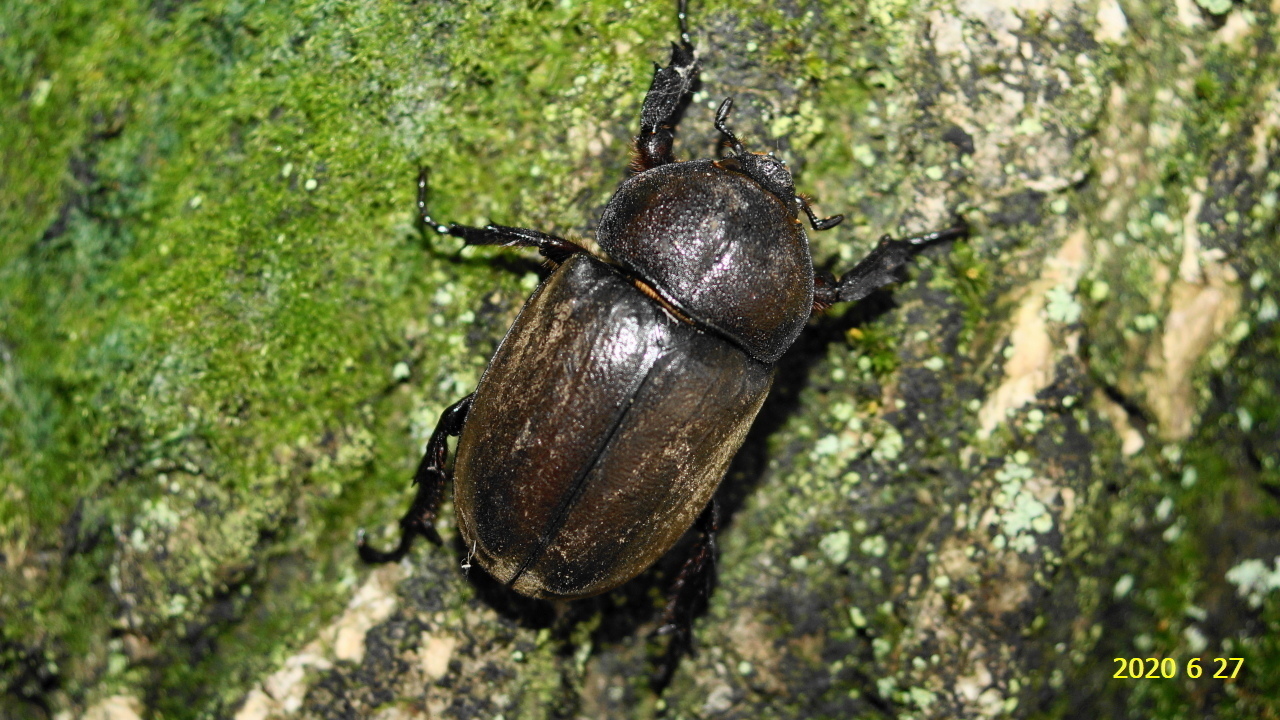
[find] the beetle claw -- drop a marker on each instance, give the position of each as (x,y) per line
(374,556)
(680,644)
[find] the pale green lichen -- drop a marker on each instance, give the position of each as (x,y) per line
(1022,513)
(889,445)
(836,546)
(1254,581)
(1061,305)
(1216,7)
(874,546)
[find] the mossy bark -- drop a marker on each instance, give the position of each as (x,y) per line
(223,341)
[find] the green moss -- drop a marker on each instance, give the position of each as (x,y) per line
(969,279)
(200,345)
(875,348)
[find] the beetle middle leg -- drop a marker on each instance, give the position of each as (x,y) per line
(879,268)
(553,248)
(430,478)
(690,589)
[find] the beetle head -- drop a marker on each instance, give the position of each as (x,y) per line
(770,172)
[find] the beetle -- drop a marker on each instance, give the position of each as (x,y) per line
(610,412)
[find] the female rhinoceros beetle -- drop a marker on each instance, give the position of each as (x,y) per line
(612,408)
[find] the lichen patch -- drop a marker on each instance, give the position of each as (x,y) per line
(1199,314)
(282,692)
(1112,24)
(116,707)
(1032,350)
(435,654)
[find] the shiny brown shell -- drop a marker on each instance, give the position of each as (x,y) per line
(600,430)
(716,244)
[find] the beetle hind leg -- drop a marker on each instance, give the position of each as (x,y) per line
(430,479)
(687,595)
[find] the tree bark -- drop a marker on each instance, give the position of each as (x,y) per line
(223,342)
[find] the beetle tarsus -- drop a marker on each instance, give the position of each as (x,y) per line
(959,228)
(880,267)
(424,217)
(722,116)
(682,16)
(553,248)
(687,595)
(430,478)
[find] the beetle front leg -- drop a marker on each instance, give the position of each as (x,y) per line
(690,589)
(430,479)
(661,104)
(553,248)
(878,269)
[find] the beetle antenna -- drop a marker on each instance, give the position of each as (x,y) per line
(723,114)
(682,12)
(423,216)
